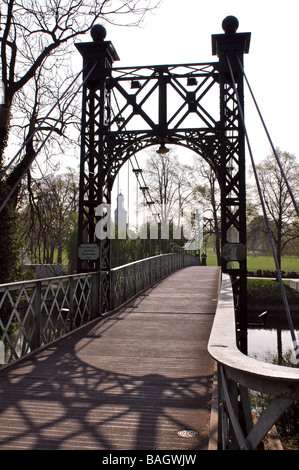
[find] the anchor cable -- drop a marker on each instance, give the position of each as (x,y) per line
(269,138)
(285,301)
(150,202)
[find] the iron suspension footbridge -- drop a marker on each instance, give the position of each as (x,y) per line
(158,85)
(117,123)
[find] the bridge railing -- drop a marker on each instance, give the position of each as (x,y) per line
(129,279)
(35,313)
(238,375)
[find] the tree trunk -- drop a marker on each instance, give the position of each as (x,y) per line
(4,130)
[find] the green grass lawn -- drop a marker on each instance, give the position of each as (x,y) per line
(254,263)
(267,290)
(288,263)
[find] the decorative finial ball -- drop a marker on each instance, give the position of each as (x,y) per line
(230,24)
(98,33)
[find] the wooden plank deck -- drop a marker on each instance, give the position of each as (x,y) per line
(131,381)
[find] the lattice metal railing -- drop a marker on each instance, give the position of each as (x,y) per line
(238,375)
(34,313)
(131,278)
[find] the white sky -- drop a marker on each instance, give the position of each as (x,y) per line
(180,32)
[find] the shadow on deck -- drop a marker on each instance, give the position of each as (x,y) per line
(133,380)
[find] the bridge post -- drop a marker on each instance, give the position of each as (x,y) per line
(95,186)
(230,47)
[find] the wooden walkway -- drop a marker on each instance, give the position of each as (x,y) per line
(131,381)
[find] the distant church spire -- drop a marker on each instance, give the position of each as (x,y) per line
(120,216)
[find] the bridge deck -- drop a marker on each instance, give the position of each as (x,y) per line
(131,381)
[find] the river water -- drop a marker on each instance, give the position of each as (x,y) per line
(264,344)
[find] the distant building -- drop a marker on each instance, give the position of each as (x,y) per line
(120,216)
(25,260)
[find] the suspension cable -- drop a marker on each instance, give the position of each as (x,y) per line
(30,137)
(149,203)
(279,276)
(42,144)
(269,138)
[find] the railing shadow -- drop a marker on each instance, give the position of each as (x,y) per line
(59,400)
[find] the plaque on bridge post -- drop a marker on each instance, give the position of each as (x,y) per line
(88,252)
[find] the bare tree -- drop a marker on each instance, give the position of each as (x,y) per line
(34,31)
(34,36)
(207,188)
(47,219)
(277,199)
(170,184)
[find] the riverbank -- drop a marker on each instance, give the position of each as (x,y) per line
(264,295)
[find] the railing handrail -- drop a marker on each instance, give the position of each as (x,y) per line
(250,372)
(76,275)
(31,282)
(239,374)
(148,259)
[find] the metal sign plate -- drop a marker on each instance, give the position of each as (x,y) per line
(89,251)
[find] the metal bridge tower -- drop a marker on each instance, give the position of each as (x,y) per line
(112,134)
(230,49)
